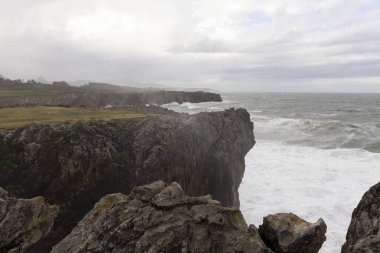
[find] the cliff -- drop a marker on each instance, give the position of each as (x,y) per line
(363,233)
(91,99)
(15,93)
(74,165)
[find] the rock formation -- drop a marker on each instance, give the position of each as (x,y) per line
(161,218)
(363,233)
(74,165)
(17,93)
(288,233)
(23,222)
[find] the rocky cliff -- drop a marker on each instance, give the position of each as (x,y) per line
(17,93)
(91,99)
(74,165)
(363,234)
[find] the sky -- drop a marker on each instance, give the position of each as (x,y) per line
(239,45)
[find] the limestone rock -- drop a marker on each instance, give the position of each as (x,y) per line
(161,218)
(363,233)
(288,233)
(23,222)
(74,165)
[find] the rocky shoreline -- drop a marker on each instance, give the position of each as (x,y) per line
(162,183)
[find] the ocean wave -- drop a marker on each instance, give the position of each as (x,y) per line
(321,129)
(318,133)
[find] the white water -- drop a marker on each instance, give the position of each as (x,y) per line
(309,182)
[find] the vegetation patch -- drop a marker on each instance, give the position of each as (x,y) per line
(20,116)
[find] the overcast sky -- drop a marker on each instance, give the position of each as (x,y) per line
(228,45)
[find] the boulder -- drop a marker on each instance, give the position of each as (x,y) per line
(23,222)
(288,233)
(363,233)
(161,218)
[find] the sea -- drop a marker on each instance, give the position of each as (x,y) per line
(315,156)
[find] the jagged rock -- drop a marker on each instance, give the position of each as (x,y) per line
(74,165)
(23,222)
(161,218)
(288,233)
(363,233)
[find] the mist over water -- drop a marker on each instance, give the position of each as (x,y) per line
(316,155)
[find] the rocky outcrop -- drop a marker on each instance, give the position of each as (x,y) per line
(161,218)
(363,234)
(74,165)
(23,222)
(288,233)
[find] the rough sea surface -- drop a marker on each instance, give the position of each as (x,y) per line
(316,155)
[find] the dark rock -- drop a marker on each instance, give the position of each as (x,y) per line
(288,233)
(161,218)
(23,222)
(74,165)
(363,233)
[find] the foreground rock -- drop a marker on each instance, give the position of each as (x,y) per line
(161,218)
(74,165)
(363,233)
(23,222)
(288,233)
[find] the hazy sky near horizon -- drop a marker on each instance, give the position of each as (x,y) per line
(240,45)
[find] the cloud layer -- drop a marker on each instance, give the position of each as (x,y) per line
(289,45)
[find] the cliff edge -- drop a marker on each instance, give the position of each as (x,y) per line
(74,165)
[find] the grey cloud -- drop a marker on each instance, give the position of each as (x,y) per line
(326,71)
(197,46)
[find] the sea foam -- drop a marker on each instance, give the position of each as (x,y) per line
(309,182)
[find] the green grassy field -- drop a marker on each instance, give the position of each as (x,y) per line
(19,116)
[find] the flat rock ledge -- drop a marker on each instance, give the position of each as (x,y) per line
(23,222)
(161,218)
(288,233)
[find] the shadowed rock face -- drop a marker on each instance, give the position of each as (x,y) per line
(288,233)
(363,233)
(161,218)
(73,166)
(23,222)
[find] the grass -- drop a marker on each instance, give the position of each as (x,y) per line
(33,92)
(15,117)
(16,93)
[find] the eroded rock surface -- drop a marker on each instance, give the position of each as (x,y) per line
(23,222)
(74,165)
(161,218)
(363,233)
(288,233)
